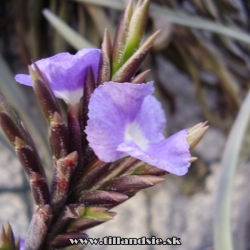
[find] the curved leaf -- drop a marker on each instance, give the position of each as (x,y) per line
(222,225)
(70,35)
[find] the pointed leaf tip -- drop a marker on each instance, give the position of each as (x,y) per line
(72,157)
(120,38)
(192,159)
(19,143)
(57,118)
(195,134)
(141,77)
(33,74)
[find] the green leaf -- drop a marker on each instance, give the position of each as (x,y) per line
(59,43)
(222,225)
(136,29)
(118,5)
(98,213)
(101,20)
(70,35)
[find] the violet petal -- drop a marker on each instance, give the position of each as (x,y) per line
(66,73)
(125,119)
(171,155)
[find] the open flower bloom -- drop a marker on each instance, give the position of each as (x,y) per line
(126,119)
(66,73)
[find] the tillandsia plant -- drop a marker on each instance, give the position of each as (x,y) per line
(111,145)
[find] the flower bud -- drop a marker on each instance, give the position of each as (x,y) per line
(195,134)
(44,94)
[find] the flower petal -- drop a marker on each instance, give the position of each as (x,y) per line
(171,155)
(24,79)
(66,73)
(151,119)
(119,111)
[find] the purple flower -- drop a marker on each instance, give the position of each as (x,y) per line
(125,119)
(66,73)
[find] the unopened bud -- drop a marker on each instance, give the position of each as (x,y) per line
(136,28)
(195,134)
(44,93)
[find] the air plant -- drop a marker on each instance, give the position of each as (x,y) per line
(112,143)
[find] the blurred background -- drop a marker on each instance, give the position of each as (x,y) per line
(200,65)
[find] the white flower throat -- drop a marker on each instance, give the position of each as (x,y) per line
(134,133)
